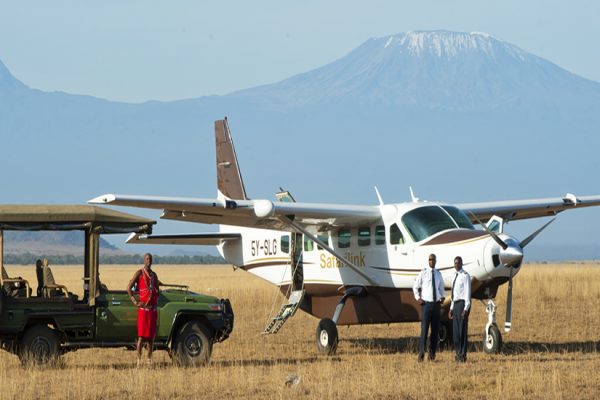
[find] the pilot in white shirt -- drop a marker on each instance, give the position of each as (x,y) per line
(430,294)
(459,309)
(422,287)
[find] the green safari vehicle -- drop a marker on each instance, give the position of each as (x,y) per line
(39,327)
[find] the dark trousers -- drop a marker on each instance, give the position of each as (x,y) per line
(430,316)
(460,327)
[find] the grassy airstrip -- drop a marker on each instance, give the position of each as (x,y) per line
(553,351)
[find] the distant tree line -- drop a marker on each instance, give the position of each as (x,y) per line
(69,259)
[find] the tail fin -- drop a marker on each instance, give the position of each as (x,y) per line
(229,178)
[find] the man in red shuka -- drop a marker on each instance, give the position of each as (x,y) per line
(147,284)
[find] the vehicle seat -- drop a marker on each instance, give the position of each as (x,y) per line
(15,287)
(51,288)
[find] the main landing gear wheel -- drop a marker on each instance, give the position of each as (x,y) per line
(327,336)
(39,346)
(492,340)
(445,334)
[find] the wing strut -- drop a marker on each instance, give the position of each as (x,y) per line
(312,237)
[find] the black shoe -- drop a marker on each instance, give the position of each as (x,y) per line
(431,357)
(420,358)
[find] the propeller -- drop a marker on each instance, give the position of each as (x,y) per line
(511,256)
(529,238)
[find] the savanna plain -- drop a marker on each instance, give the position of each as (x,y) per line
(552,351)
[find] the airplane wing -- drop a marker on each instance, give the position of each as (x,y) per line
(316,217)
(264,214)
(522,209)
(213,239)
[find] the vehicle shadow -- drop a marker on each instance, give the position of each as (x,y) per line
(216,363)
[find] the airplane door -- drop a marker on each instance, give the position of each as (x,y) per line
(399,251)
(297,271)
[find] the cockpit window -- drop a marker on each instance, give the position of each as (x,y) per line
(423,222)
(459,217)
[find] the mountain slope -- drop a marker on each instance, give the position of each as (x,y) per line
(47,243)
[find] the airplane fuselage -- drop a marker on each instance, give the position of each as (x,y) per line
(386,251)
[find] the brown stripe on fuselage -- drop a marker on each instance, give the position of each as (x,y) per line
(380,306)
(455,236)
(248,267)
(414,271)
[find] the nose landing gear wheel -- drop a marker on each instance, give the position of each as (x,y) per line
(492,340)
(327,336)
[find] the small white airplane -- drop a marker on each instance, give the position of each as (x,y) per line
(354,264)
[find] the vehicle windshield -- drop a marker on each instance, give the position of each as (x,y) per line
(423,222)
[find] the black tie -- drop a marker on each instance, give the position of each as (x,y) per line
(453,283)
(433,284)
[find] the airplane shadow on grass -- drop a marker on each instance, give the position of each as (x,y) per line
(411,345)
(386,345)
(512,348)
(271,362)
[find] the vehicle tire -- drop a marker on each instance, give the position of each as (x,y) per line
(39,346)
(1,301)
(492,343)
(327,337)
(445,335)
(193,345)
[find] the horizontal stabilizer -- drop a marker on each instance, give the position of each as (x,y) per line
(202,239)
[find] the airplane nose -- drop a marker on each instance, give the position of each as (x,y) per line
(512,255)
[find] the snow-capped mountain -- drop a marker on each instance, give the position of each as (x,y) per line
(433,69)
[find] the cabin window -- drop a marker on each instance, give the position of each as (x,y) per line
(364,236)
(396,235)
(309,245)
(285,243)
(323,237)
(380,234)
(344,236)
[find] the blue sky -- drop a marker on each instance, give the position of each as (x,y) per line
(140,50)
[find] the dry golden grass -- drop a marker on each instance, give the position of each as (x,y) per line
(551,353)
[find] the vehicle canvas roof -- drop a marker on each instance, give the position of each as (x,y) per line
(70,217)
